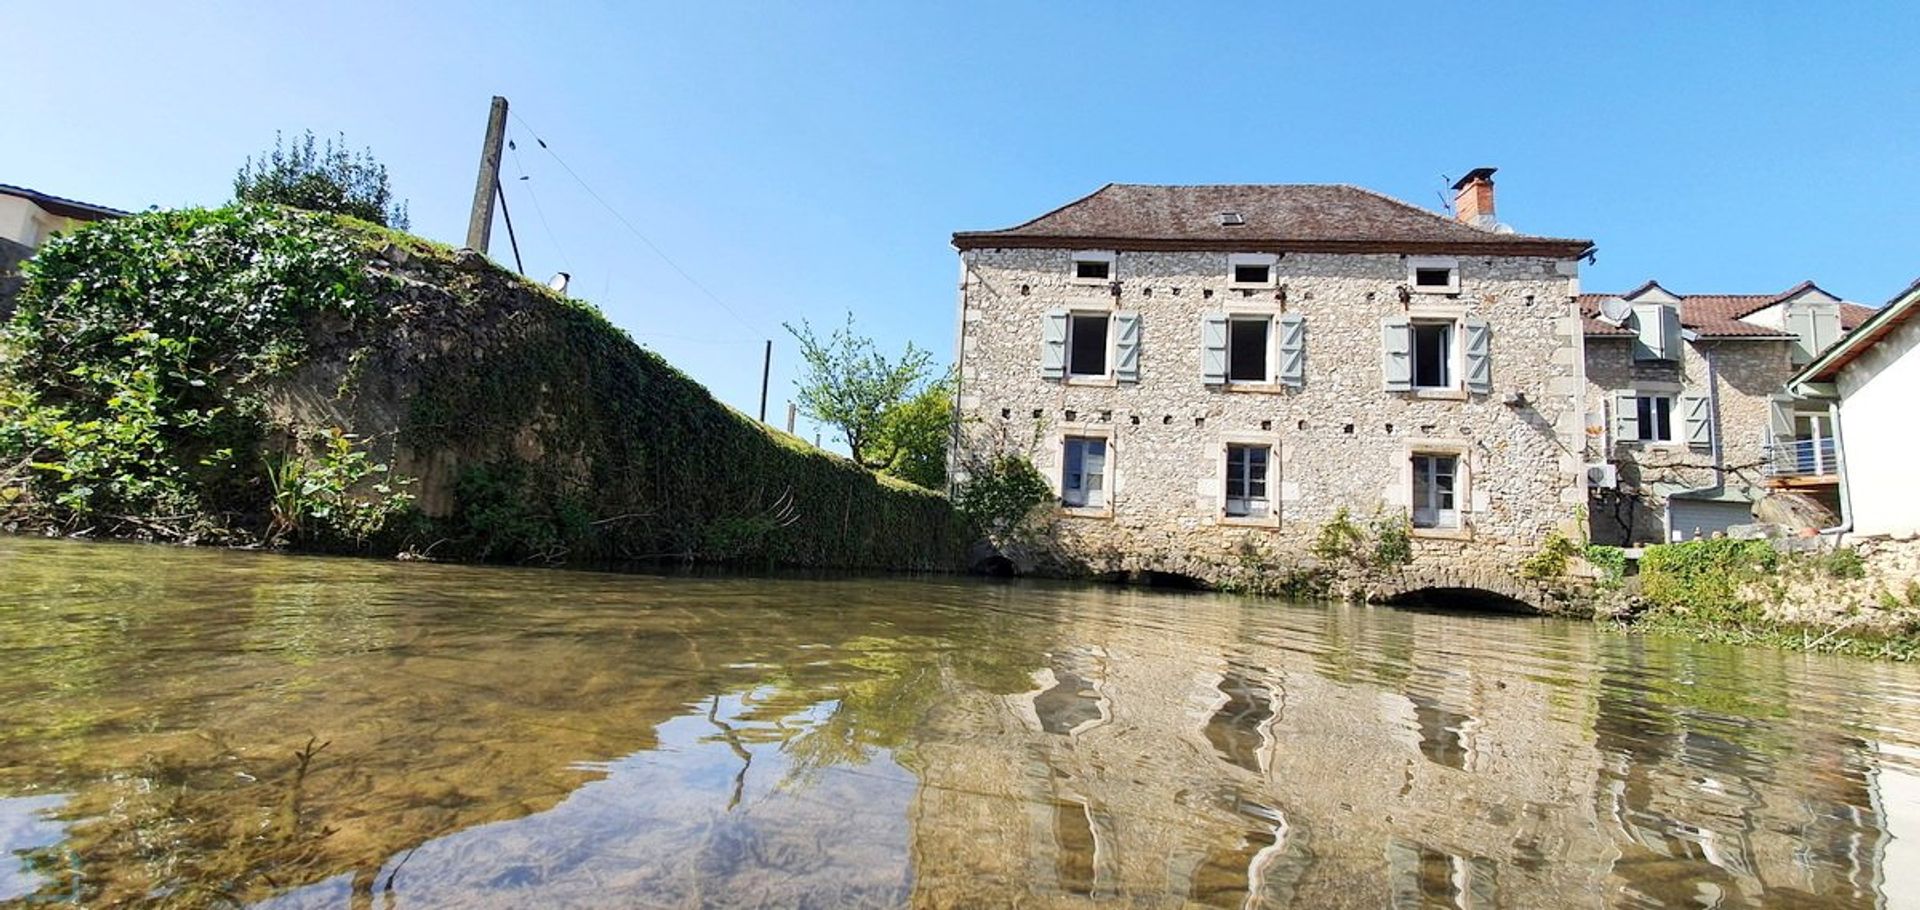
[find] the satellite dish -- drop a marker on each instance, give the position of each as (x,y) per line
(1615,310)
(1503,228)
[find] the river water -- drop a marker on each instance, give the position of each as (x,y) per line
(204,728)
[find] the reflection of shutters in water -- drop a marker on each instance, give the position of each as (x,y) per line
(1442,736)
(1238,730)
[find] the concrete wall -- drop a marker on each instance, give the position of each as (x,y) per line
(1749,372)
(1880,433)
(1342,439)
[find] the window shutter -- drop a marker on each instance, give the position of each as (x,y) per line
(1826,328)
(1293,349)
(1626,417)
(1697,412)
(1780,418)
(1656,331)
(1213,349)
(1479,355)
(1126,346)
(1053,345)
(1799,322)
(1396,353)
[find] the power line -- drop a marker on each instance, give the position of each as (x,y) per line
(537,209)
(657,251)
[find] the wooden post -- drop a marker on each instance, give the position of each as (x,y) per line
(766,370)
(480,222)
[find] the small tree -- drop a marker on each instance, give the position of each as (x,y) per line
(914,434)
(327,178)
(852,387)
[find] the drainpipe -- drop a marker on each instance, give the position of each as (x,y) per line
(1840,462)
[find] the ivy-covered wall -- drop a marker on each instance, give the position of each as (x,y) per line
(256,374)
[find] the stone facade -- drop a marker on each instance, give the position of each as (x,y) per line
(1738,377)
(1340,439)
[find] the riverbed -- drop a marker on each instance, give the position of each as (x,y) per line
(207,728)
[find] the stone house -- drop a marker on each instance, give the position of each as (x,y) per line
(1206,375)
(1866,387)
(1688,422)
(28,219)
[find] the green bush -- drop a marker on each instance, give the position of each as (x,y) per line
(1393,539)
(1550,561)
(999,497)
(1611,561)
(1339,539)
(136,350)
(1702,578)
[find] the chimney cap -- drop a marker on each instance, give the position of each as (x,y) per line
(1479,173)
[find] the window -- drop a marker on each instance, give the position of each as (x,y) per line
(1083,482)
(1251,270)
(1087,344)
(1092,266)
(1435,491)
(1247,481)
(1433,355)
(1247,350)
(1434,274)
(1655,413)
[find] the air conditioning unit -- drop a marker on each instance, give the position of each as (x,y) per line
(1603,476)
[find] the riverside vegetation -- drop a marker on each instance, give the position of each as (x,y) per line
(256,375)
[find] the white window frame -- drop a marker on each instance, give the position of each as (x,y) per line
(1269,378)
(1101,378)
(1461,453)
(1645,426)
(1111,258)
(1223,461)
(1271,261)
(1415,264)
(1058,477)
(1455,358)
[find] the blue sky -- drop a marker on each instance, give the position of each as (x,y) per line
(803,160)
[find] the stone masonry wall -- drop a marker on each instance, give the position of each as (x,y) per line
(1341,440)
(1749,372)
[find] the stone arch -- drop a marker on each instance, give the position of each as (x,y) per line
(1454,589)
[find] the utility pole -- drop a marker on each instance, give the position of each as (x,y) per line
(793,410)
(766,370)
(480,223)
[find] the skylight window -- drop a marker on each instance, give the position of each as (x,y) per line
(1229,219)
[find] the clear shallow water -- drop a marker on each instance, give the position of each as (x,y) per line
(202,728)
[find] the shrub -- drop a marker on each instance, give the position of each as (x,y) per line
(1611,561)
(999,497)
(1550,561)
(1703,578)
(1339,539)
(326,178)
(1393,539)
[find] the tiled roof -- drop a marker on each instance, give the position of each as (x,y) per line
(70,208)
(1272,217)
(1718,315)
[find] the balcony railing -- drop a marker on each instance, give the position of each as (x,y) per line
(1808,458)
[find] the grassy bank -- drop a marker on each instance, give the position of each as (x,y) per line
(263,376)
(1746,592)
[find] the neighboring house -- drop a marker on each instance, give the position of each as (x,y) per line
(1688,421)
(1868,389)
(29,218)
(1206,374)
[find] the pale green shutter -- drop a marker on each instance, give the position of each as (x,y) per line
(1053,345)
(1293,349)
(1780,418)
(1213,349)
(1826,327)
(1670,333)
(1626,417)
(1799,322)
(1696,412)
(1396,353)
(1479,355)
(1126,346)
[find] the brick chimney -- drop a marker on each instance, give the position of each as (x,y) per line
(1473,198)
